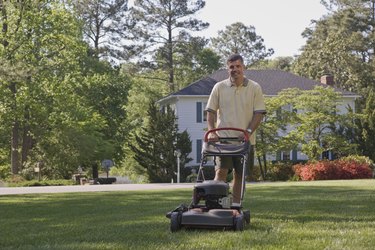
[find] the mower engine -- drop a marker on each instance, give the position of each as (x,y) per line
(214,193)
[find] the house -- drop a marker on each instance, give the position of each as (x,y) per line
(189,103)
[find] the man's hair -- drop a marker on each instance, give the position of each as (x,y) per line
(234,58)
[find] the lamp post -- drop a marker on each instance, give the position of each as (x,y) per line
(177,153)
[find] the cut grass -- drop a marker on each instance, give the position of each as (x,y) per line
(290,215)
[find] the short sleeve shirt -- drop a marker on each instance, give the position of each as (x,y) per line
(235,106)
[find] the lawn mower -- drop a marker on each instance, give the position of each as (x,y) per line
(211,205)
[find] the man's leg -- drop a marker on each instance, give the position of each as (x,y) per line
(221,174)
(237,185)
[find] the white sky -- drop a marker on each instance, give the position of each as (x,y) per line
(279,22)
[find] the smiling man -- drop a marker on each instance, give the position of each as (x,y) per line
(236,102)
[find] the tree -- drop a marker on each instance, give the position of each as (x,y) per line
(342,44)
(281,63)
(366,133)
(155,145)
(270,133)
(316,122)
(41,38)
(238,38)
(160,26)
(106,27)
(193,61)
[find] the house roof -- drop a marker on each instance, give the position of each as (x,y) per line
(272,82)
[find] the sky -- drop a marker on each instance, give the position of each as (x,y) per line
(279,22)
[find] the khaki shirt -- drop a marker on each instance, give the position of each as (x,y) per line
(235,106)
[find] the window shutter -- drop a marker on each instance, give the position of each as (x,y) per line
(199,112)
(199,150)
(278,155)
(294,154)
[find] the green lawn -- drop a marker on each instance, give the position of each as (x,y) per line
(290,215)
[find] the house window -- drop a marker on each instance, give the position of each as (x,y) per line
(199,150)
(201,113)
(285,156)
(326,155)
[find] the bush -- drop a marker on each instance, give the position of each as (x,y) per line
(345,168)
(4,172)
(20,182)
(280,171)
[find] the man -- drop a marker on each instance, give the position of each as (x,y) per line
(236,102)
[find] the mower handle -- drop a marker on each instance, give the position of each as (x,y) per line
(245,133)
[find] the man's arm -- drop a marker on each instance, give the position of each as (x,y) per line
(255,122)
(211,120)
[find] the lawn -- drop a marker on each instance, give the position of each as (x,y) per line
(285,215)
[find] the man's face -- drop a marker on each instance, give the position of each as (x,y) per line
(235,69)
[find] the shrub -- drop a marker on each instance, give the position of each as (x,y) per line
(4,171)
(20,182)
(280,171)
(333,170)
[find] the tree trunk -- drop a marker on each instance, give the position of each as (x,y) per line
(265,164)
(15,164)
(95,172)
(251,160)
(261,168)
(26,145)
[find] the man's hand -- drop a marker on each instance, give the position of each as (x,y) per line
(213,137)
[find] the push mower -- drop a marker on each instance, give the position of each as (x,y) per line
(211,205)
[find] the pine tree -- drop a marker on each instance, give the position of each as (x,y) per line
(155,145)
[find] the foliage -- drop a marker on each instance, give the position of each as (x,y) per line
(160,27)
(366,128)
(280,171)
(238,38)
(333,170)
(36,183)
(342,45)
(106,28)
(44,41)
(106,92)
(155,146)
(4,172)
(142,92)
(315,122)
(193,60)
(270,133)
(282,63)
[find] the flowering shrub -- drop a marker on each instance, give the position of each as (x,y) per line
(333,170)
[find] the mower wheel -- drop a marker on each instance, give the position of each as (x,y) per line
(239,222)
(175,222)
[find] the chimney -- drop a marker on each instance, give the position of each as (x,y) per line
(327,79)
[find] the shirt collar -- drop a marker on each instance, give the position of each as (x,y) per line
(245,82)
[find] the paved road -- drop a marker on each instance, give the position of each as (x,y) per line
(92,188)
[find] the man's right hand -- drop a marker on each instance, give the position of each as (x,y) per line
(213,137)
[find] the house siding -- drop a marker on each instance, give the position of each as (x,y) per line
(187,120)
(186,111)
(193,97)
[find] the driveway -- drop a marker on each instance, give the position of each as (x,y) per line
(92,188)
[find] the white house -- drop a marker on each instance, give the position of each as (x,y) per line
(189,103)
